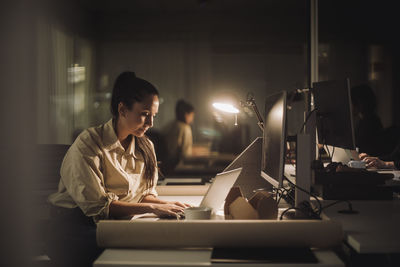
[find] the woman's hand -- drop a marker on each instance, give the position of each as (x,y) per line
(375,162)
(166,209)
(177,203)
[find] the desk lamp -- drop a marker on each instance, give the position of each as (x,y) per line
(228,108)
(250,102)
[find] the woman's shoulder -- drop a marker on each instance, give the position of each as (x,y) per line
(90,140)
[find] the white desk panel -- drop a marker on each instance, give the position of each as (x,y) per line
(375,229)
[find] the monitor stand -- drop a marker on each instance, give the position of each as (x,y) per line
(303,171)
(305,154)
(303,178)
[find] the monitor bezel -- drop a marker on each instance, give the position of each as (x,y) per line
(278,182)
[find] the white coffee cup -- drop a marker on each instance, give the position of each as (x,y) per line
(197,213)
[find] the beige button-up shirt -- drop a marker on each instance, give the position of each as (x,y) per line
(97,170)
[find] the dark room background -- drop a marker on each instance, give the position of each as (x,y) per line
(60,58)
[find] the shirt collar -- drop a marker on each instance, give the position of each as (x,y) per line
(111,142)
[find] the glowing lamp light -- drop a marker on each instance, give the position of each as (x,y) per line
(228,108)
(225,107)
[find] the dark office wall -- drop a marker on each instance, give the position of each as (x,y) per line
(197,52)
(358,40)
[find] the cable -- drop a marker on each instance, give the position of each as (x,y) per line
(291,208)
(333,152)
(310,194)
(277,192)
(328,152)
(306,120)
(285,195)
(348,211)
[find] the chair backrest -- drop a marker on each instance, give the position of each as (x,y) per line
(44,182)
(50,157)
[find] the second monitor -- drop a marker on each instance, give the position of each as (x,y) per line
(332,101)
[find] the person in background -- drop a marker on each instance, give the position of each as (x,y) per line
(368,127)
(109,172)
(177,137)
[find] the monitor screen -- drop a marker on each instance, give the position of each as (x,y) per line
(332,102)
(274,139)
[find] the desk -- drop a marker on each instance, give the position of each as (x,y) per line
(189,257)
(375,229)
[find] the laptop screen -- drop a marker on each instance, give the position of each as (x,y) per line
(219,189)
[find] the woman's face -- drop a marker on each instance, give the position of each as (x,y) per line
(139,118)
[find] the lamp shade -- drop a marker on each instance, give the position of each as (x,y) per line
(229,108)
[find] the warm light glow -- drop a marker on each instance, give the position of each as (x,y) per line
(276,113)
(225,107)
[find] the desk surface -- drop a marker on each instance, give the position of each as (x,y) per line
(375,229)
(191,257)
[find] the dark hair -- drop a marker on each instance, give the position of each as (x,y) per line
(363,97)
(129,89)
(182,107)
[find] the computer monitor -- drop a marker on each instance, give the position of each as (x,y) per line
(332,102)
(274,139)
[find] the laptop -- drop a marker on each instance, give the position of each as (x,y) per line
(343,155)
(217,192)
(219,189)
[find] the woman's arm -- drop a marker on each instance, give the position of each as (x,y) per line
(122,209)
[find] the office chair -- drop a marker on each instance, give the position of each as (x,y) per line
(44,182)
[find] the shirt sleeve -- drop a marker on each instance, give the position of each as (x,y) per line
(81,174)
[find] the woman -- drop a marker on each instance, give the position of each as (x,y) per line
(109,172)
